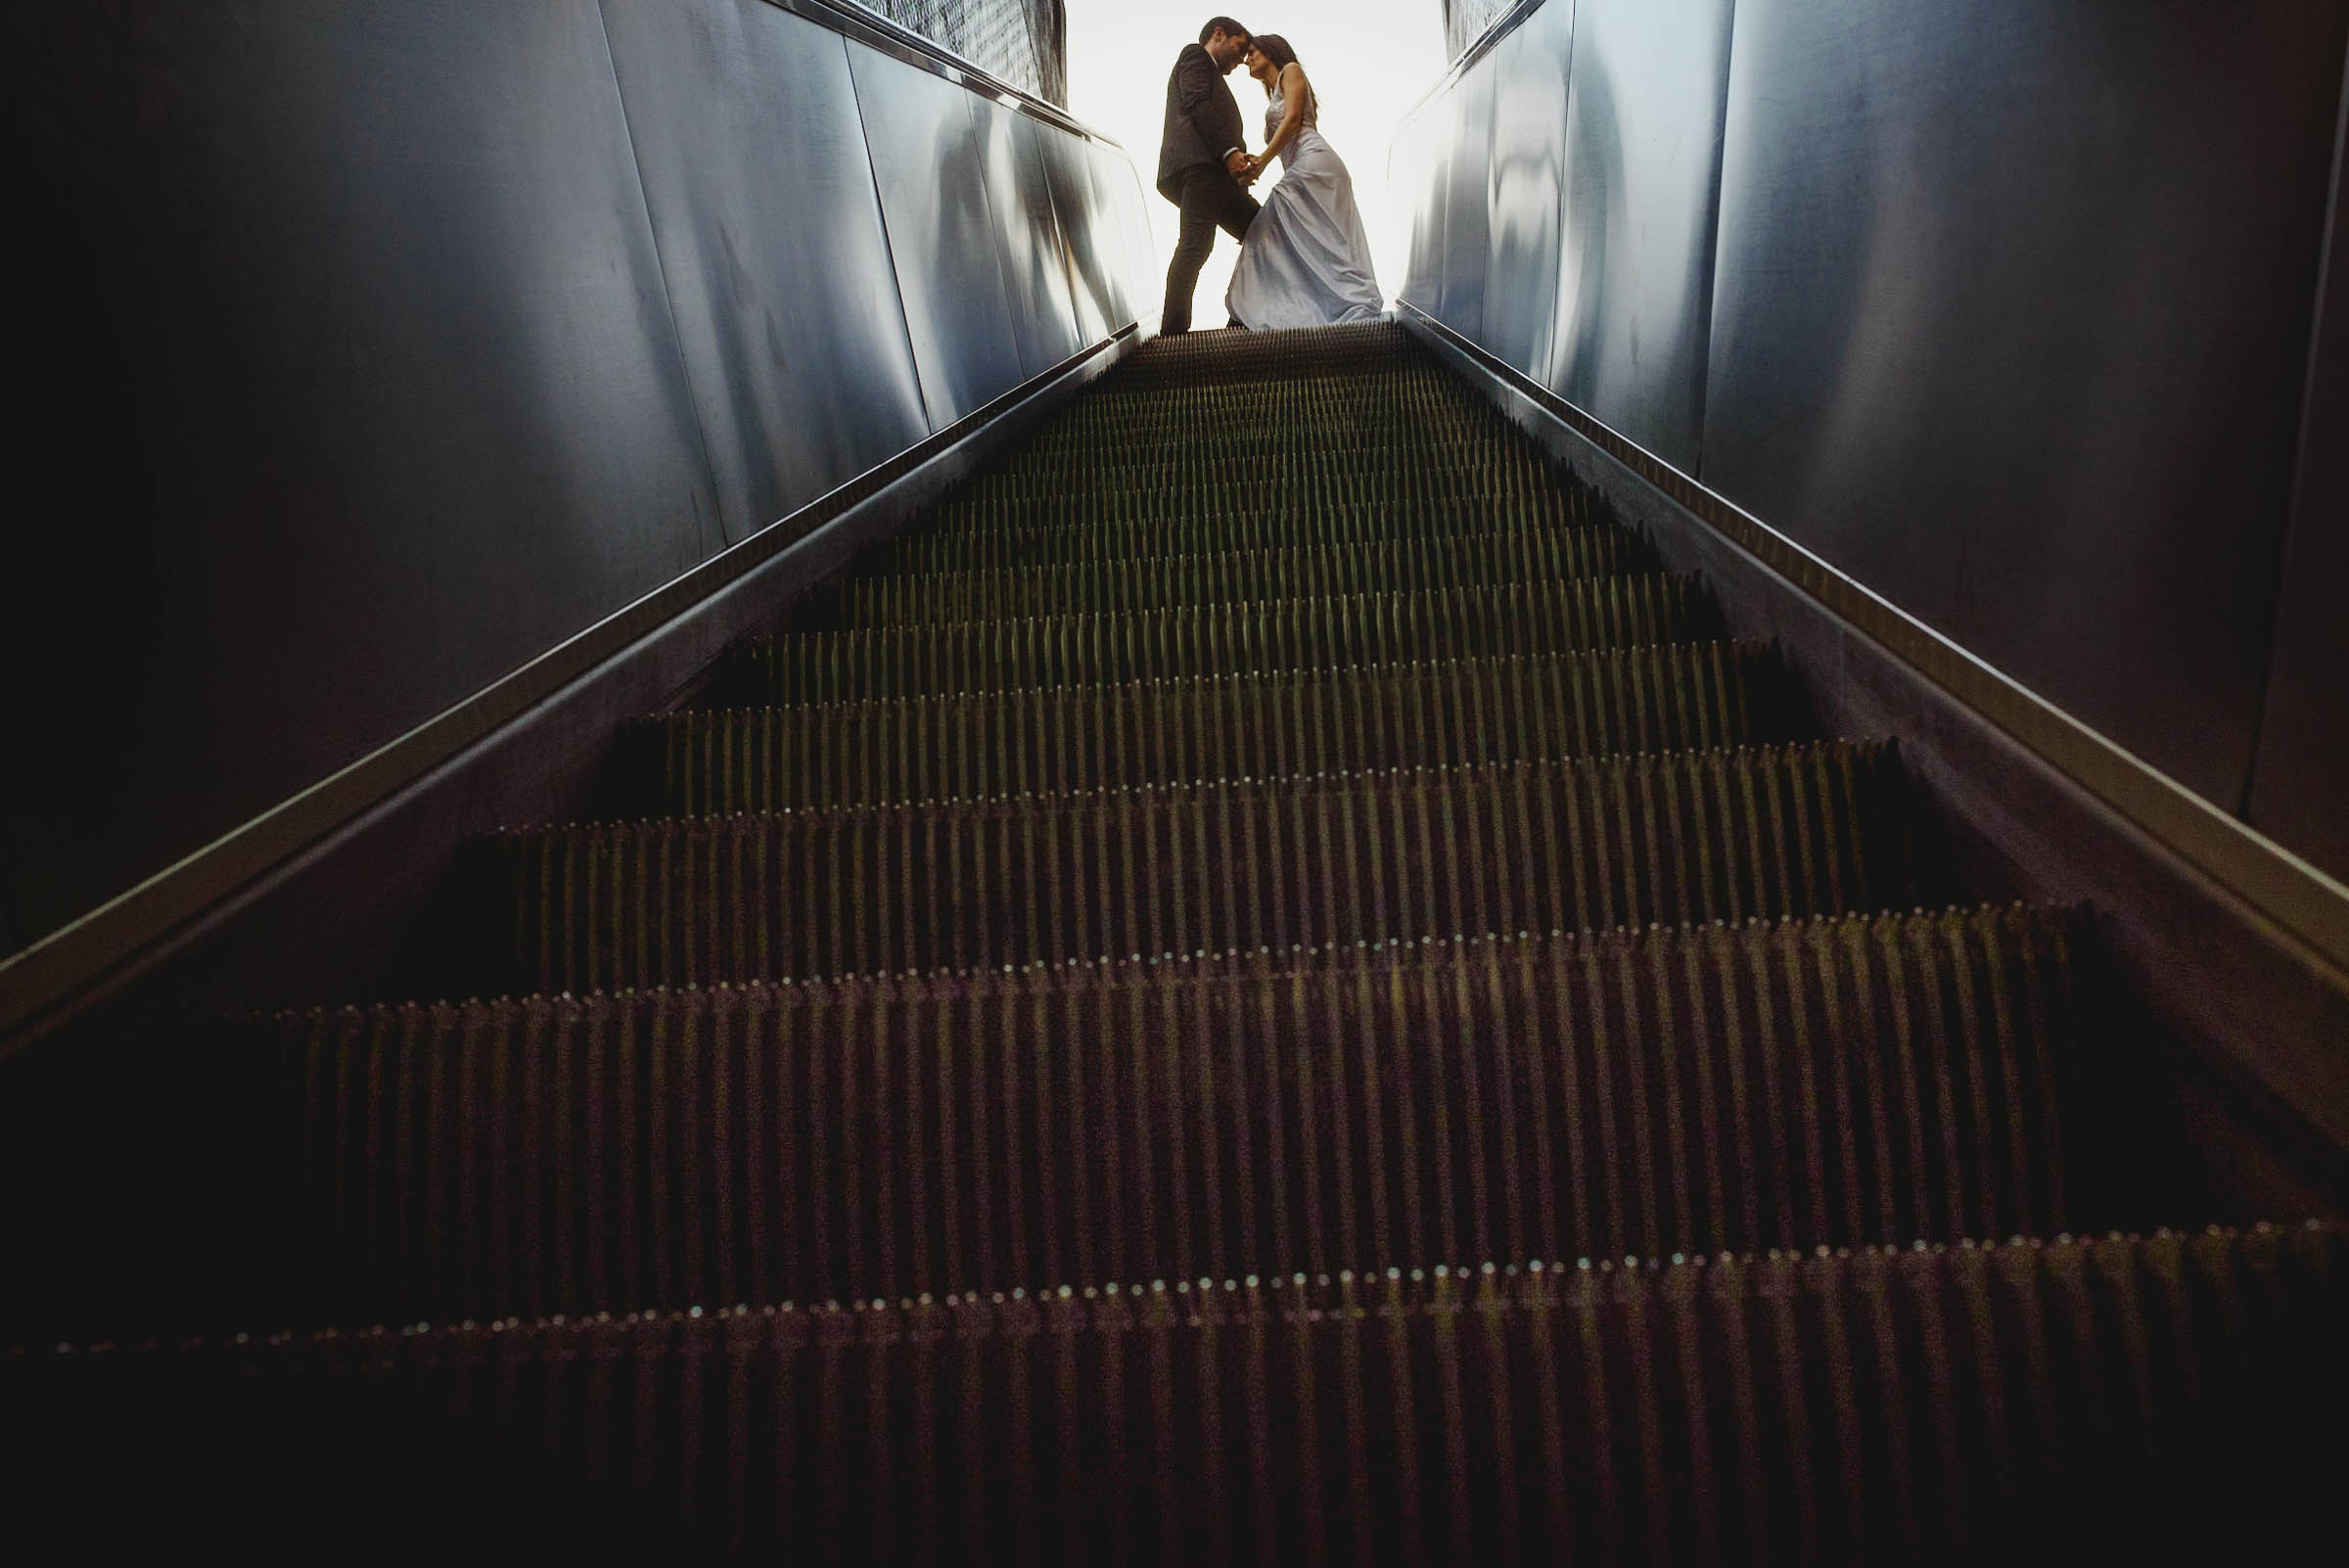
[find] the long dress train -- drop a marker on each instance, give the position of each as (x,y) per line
(1307,259)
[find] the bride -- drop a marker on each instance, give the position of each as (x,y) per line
(1307,261)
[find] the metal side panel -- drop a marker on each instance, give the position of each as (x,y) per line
(929,163)
(2300,793)
(2009,323)
(1146,270)
(1528,218)
(1467,148)
(2237,953)
(2300,789)
(1092,242)
(355,361)
(755,167)
(1035,140)
(1416,179)
(1036,271)
(1120,212)
(376,905)
(1642,169)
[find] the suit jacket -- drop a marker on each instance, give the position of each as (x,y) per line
(1203,122)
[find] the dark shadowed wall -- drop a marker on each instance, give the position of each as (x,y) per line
(2021,312)
(375,348)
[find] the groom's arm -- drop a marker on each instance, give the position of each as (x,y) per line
(1199,92)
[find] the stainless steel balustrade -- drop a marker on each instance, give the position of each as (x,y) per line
(391,347)
(801,370)
(2003,307)
(1988,357)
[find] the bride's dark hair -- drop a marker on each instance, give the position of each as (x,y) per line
(1276,49)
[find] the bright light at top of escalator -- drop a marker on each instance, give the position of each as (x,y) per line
(1370,61)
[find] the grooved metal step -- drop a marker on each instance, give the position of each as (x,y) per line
(1238,576)
(1365,421)
(1413,413)
(1055,739)
(1043,534)
(1770,1085)
(2015,1402)
(1325,634)
(1265,841)
(1280,864)
(1397,472)
(1176,490)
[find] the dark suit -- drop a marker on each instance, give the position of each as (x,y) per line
(1202,123)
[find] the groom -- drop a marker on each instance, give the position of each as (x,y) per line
(1203,164)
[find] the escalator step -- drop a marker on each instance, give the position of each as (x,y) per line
(1230,358)
(1772,1084)
(1383,436)
(1269,838)
(1371,628)
(1681,697)
(1168,582)
(1297,444)
(1415,410)
(2018,1402)
(1391,414)
(1277,864)
(1383,383)
(1396,469)
(1176,490)
(1368,421)
(988,535)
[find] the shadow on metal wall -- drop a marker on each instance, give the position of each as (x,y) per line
(404,357)
(1973,361)
(2010,317)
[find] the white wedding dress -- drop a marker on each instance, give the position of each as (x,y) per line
(1307,259)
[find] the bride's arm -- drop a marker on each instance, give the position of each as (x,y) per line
(1293,90)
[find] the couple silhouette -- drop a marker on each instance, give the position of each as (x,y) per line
(1305,257)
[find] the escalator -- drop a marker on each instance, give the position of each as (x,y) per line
(1263,984)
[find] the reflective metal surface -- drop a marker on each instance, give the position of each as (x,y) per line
(1037,144)
(1466,125)
(778,267)
(1642,174)
(1132,203)
(1027,236)
(2000,306)
(1417,180)
(2256,975)
(930,165)
(2010,322)
(386,348)
(2301,775)
(1091,241)
(357,366)
(1106,172)
(1528,178)
(2300,785)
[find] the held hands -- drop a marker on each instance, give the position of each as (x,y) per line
(1242,168)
